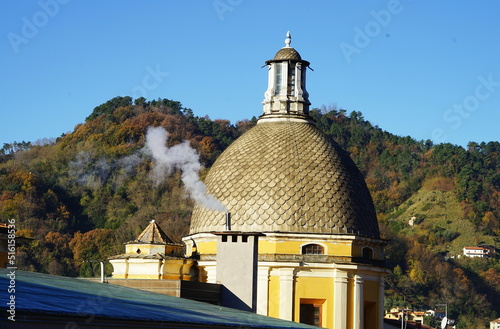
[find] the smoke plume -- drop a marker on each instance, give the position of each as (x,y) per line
(89,171)
(94,171)
(182,157)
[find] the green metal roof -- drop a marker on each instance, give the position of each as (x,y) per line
(43,294)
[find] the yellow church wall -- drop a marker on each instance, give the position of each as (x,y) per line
(349,301)
(267,247)
(287,246)
(207,247)
(274,297)
(371,291)
(145,249)
(315,290)
(371,300)
(357,251)
(173,269)
(340,249)
(143,276)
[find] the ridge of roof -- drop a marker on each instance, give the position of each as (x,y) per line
(153,234)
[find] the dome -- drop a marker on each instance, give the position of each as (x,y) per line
(286,176)
(287,53)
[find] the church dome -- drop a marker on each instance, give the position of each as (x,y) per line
(287,53)
(287,176)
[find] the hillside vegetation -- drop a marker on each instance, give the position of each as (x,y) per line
(83,195)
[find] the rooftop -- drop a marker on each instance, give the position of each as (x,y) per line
(61,299)
(153,234)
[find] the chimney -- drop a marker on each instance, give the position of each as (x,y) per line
(228,221)
(236,269)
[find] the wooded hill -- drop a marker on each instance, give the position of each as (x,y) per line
(86,193)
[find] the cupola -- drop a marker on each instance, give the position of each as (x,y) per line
(286,96)
(151,241)
(152,255)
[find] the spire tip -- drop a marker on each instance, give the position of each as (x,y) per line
(288,40)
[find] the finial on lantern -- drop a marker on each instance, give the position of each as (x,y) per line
(288,40)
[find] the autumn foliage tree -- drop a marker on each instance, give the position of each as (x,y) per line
(93,246)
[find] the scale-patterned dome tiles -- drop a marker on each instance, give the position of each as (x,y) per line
(287,177)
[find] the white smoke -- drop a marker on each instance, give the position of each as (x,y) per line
(182,157)
(89,171)
(93,172)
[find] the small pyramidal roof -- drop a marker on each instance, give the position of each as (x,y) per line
(153,234)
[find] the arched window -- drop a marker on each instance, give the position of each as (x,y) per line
(291,80)
(368,253)
(312,249)
(278,78)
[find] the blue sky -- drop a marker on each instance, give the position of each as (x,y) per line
(420,68)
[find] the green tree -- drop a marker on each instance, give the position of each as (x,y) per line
(109,107)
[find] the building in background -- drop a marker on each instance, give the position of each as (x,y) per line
(476,252)
(9,241)
(495,324)
(153,255)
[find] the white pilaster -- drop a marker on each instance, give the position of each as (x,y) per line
(286,293)
(358,303)
(211,273)
(381,303)
(298,79)
(262,290)
(339,301)
(285,66)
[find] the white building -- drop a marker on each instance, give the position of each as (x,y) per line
(435,313)
(476,252)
